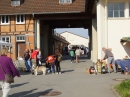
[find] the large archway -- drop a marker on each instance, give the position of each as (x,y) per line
(46,23)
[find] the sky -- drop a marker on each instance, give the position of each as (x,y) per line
(79,31)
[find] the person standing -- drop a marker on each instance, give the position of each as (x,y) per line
(110,59)
(34,56)
(77,53)
(27,60)
(9,68)
(39,56)
(57,62)
(72,55)
(86,51)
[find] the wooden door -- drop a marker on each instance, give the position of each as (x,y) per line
(21,46)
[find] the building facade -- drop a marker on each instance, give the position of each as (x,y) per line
(75,39)
(113,17)
(18,30)
(31,25)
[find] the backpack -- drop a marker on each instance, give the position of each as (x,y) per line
(59,58)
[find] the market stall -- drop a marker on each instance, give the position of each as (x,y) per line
(123,64)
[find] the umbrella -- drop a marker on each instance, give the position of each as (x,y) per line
(2,43)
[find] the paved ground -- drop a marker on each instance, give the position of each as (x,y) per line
(73,82)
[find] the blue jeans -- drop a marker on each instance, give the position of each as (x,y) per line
(109,61)
(28,65)
(53,68)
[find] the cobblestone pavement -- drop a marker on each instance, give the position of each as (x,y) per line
(73,82)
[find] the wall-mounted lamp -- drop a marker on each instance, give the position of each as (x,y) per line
(96,1)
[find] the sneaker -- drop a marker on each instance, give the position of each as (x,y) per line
(59,72)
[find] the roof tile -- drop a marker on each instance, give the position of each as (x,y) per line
(41,6)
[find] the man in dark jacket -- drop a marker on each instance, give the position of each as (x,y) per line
(27,58)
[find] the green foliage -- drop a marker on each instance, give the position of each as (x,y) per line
(124,88)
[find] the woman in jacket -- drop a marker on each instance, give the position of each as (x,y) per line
(9,68)
(57,62)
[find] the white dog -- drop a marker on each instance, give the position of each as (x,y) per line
(36,69)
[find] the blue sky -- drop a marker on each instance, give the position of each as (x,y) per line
(79,31)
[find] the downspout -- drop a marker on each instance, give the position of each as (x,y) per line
(35,31)
(106,23)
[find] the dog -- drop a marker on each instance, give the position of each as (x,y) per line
(36,69)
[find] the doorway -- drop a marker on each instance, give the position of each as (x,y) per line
(21,46)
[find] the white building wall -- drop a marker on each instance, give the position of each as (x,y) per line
(74,39)
(118,28)
(115,33)
(101,32)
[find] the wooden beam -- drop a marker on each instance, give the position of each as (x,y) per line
(66,22)
(64,16)
(89,6)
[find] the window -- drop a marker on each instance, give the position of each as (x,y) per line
(5,19)
(15,3)
(20,38)
(116,9)
(20,19)
(5,39)
(65,1)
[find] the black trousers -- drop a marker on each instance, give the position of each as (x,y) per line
(58,69)
(72,58)
(37,62)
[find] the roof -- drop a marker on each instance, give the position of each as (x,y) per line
(60,39)
(41,7)
(73,34)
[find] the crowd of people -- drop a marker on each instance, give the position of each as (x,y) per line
(8,68)
(51,61)
(75,54)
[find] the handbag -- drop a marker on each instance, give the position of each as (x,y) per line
(8,77)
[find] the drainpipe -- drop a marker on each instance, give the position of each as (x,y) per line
(106,23)
(35,34)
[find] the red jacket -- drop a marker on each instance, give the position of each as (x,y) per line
(50,58)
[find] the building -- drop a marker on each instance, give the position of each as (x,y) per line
(59,42)
(113,18)
(31,24)
(75,39)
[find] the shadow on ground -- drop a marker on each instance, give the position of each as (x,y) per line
(30,94)
(64,71)
(24,73)
(18,85)
(67,57)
